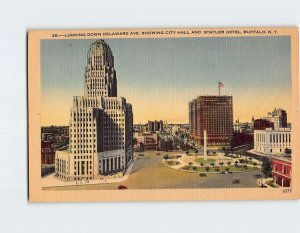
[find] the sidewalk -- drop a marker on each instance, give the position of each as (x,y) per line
(51,181)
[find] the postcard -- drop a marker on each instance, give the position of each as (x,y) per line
(163,114)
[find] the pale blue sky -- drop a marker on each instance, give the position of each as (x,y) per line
(160,76)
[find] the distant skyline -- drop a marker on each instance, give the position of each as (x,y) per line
(160,76)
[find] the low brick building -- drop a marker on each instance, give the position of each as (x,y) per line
(282,171)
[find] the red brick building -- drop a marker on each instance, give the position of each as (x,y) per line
(48,153)
(282,171)
(215,115)
(146,141)
(262,124)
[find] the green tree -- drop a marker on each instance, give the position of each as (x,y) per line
(207,169)
(212,164)
(195,168)
(266,168)
(288,151)
(190,163)
(202,164)
(228,163)
(221,163)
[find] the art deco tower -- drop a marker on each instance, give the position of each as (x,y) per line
(101,124)
(100,76)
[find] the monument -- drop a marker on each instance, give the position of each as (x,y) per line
(205,142)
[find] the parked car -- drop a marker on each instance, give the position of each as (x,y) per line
(236,181)
(202,175)
(122,187)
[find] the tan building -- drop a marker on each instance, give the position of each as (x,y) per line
(101,124)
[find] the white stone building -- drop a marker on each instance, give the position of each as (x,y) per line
(272,142)
(101,124)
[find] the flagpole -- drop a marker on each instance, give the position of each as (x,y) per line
(219,87)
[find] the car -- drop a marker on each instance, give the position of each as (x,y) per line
(258,176)
(202,175)
(236,181)
(120,187)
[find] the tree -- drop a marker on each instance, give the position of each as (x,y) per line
(241,160)
(187,152)
(266,168)
(207,169)
(202,164)
(195,168)
(212,164)
(166,157)
(217,169)
(196,151)
(228,163)
(254,164)
(221,163)
(236,162)
(190,163)
(227,169)
(250,159)
(245,167)
(288,151)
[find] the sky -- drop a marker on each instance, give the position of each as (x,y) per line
(160,76)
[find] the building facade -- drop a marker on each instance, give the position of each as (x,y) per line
(272,142)
(282,171)
(278,117)
(101,124)
(146,141)
(215,115)
(154,126)
(48,153)
(262,124)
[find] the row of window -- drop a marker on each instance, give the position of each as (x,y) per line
(274,138)
(83,157)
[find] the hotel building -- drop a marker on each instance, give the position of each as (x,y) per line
(101,124)
(215,115)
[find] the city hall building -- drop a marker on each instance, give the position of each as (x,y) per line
(215,115)
(101,124)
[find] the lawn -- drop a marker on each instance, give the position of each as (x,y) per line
(232,168)
(201,160)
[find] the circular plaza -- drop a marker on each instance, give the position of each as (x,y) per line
(213,163)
